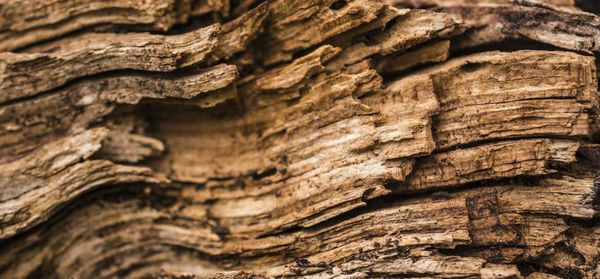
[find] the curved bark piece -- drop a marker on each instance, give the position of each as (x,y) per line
(25,22)
(560,27)
(22,74)
(27,124)
(33,187)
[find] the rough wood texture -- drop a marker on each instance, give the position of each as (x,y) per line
(23,22)
(492,23)
(430,3)
(501,95)
(285,139)
(23,74)
(30,123)
(33,186)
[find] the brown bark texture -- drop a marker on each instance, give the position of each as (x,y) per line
(299,139)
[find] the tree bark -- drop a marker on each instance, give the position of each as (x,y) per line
(284,138)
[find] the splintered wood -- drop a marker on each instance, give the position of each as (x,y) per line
(286,138)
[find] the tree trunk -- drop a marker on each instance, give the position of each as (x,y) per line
(284,138)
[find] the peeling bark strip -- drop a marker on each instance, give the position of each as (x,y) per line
(24,22)
(285,139)
(526,19)
(23,74)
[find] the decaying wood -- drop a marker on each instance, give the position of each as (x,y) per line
(380,237)
(33,186)
(556,26)
(430,3)
(284,139)
(24,22)
(438,51)
(28,124)
(297,25)
(492,96)
(22,73)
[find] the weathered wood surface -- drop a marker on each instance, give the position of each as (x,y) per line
(23,73)
(23,22)
(319,139)
(489,23)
